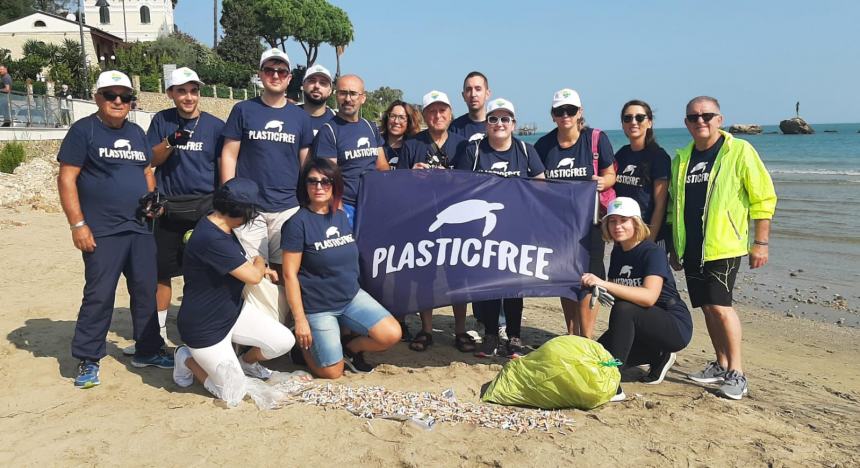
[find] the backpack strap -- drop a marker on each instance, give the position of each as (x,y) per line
(333,135)
(477,152)
(595,152)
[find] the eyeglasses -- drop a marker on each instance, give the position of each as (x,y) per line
(397,118)
(343,93)
(111,96)
(505,119)
(627,118)
(707,117)
(281,72)
(325,182)
(568,110)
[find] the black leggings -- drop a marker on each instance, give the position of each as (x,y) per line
(639,335)
(487,312)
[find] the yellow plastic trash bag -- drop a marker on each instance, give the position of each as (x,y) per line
(566,372)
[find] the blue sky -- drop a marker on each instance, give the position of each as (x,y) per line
(756,57)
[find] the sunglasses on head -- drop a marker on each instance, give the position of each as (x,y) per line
(505,119)
(281,72)
(627,118)
(568,110)
(111,96)
(325,182)
(707,117)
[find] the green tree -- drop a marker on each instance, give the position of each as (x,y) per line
(241,43)
(310,22)
(379,100)
(14,9)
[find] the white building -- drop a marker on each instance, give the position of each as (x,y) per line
(52,29)
(132,20)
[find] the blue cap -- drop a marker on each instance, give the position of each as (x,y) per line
(241,190)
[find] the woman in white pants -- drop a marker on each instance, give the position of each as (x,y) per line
(211,318)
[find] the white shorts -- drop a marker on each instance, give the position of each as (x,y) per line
(262,235)
(253,328)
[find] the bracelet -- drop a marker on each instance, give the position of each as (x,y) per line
(79,224)
(167,143)
(758,242)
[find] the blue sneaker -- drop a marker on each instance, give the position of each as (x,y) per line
(160,360)
(88,374)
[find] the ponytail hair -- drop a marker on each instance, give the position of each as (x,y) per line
(649,133)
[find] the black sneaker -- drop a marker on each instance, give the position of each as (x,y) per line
(659,369)
(356,363)
(514,348)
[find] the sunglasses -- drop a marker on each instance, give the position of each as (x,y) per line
(281,72)
(707,117)
(627,118)
(567,110)
(111,96)
(325,182)
(505,119)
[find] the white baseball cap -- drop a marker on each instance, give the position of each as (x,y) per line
(623,206)
(500,103)
(183,75)
(566,97)
(317,70)
(274,54)
(113,78)
(435,96)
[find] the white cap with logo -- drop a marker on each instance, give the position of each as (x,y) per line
(623,206)
(316,69)
(274,54)
(183,75)
(113,78)
(566,97)
(500,103)
(435,96)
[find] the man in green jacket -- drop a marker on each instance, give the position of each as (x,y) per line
(718,184)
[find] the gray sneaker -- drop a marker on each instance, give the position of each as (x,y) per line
(734,386)
(712,373)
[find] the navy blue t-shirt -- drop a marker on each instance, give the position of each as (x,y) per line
(695,194)
(212,298)
(416,150)
(574,162)
(192,168)
(392,154)
(355,145)
(318,121)
(112,162)
(468,128)
(520,160)
(647,259)
(271,139)
(328,275)
(637,171)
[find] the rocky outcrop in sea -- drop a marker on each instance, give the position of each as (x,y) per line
(745,129)
(795,126)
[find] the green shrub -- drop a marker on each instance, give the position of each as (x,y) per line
(206,91)
(149,83)
(224,92)
(11,156)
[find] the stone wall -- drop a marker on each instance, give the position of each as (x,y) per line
(154,102)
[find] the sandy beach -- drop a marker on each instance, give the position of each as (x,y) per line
(803,408)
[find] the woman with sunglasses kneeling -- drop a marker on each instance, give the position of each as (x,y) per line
(643,168)
(649,322)
(321,280)
(211,318)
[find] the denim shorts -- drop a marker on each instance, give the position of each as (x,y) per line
(360,315)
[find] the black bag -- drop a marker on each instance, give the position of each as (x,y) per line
(187,208)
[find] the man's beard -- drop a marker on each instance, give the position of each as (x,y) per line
(310,99)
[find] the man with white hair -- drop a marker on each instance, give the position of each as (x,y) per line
(106,190)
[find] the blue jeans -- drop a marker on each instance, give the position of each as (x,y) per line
(360,315)
(350,214)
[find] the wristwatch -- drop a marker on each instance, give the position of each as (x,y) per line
(167,143)
(79,224)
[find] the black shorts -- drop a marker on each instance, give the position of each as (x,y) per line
(168,241)
(713,283)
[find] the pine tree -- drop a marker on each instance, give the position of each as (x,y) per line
(240,44)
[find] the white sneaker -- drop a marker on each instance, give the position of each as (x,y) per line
(619,396)
(255,370)
(181,373)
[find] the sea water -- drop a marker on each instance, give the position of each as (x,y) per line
(816,227)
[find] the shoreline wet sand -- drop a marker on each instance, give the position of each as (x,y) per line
(803,407)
